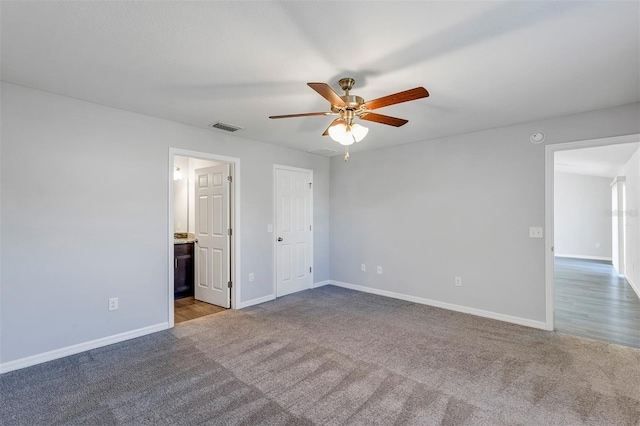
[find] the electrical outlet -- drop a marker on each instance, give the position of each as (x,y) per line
(535,232)
(113,304)
(251,277)
(458,281)
(363,267)
(379,270)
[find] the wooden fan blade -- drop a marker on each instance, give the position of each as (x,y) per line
(306,114)
(327,92)
(333,123)
(396,98)
(384,119)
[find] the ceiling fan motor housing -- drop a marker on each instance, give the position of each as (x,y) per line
(352,101)
(354,104)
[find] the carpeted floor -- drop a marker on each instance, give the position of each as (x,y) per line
(332,356)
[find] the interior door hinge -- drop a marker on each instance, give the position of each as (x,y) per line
(230,284)
(309,269)
(309,227)
(309,185)
(229,231)
(230,179)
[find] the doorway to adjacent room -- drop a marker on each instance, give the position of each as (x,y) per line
(203,229)
(593,239)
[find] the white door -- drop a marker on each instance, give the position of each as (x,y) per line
(212,232)
(293,231)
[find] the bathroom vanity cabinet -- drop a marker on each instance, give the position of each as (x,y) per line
(183,264)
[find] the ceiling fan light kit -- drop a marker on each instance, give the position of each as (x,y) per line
(343,130)
(348,135)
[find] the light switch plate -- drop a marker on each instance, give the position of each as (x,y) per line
(535,232)
(269,228)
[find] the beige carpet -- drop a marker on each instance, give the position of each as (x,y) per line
(331,356)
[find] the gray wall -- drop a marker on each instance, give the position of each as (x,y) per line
(456,206)
(84,202)
(85,217)
(581,219)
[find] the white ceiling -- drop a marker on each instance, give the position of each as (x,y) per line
(486,64)
(604,161)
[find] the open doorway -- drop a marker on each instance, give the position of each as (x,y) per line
(203,229)
(594,240)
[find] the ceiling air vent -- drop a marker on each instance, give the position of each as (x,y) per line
(323,151)
(224,126)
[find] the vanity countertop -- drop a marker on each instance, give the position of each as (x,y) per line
(190,238)
(184,240)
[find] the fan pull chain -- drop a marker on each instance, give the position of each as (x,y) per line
(346,153)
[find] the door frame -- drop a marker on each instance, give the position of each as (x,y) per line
(550,150)
(275,223)
(234,204)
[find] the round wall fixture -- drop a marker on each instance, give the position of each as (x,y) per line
(537,137)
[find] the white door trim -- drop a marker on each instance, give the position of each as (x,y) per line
(274,236)
(234,201)
(548,196)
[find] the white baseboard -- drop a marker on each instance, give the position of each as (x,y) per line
(633,285)
(579,256)
(271,297)
(320,284)
(256,301)
(444,305)
(80,347)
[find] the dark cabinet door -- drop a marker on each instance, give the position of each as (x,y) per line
(183,263)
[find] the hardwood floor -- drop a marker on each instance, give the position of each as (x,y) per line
(187,308)
(592,301)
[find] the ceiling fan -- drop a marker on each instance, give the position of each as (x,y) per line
(343,130)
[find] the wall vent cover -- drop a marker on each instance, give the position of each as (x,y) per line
(323,151)
(225,126)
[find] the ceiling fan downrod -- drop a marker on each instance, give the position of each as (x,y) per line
(346,84)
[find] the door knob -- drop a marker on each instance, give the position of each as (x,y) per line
(279,239)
